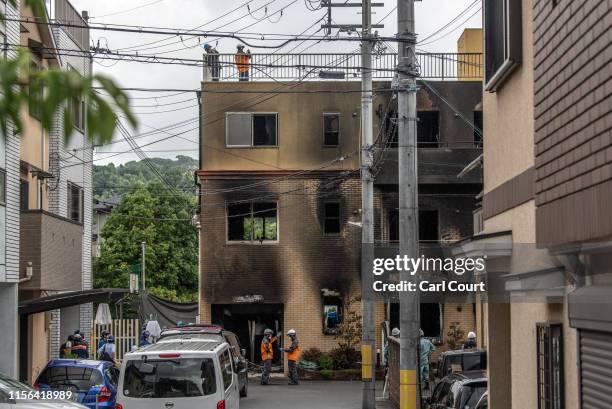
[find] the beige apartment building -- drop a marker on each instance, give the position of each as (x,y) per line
(546,223)
(280,222)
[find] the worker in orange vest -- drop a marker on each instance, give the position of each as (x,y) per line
(267,354)
(242,62)
(293,356)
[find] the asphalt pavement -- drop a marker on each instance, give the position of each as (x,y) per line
(306,395)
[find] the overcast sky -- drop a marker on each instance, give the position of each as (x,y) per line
(188,14)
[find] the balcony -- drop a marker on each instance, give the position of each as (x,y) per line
(270,67)
(54,247)
(436,166)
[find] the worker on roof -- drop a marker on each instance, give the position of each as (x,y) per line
(212,60)
(267,354)
(242,59)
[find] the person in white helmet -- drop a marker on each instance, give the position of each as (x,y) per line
(293,357)
(267,354)
(470,343)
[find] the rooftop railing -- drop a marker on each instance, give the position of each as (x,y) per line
(270,67)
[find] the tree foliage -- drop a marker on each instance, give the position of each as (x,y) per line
(111,180)
(54,90)
(151,213)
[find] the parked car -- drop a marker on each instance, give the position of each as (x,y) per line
(459,391)
(92,383)
(206,331)
(461,360)
(483,403)
(11,389)
(179,374)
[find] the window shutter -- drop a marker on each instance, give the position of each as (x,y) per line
(238,129)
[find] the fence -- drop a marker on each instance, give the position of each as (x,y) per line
(125,331)
(262,67)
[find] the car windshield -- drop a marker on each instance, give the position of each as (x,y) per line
(471,395)
(73,378)
(186,377)
(9,384)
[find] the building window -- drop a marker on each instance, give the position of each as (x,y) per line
(252,222)
(24,195)
(428,225)
(478,129)
(332,311)
(331,129)
(2,186)
(251,129)
(503,37)
(75,202)
(431,320)
(77,109)
(550,366)
(331,218)
(428,129)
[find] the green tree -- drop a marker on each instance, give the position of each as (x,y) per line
(60,87)
(152,214)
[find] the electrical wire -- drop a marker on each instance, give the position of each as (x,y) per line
(129,10)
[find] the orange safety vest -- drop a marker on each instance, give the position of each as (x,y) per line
(294,354)
(267,351)
(242,61)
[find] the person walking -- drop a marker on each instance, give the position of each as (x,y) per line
(267,354)
(293,356)
(470,343)
(242,59)
(212,60)
(108,350)
(426,348)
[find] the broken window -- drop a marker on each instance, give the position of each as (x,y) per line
(250,129)
(331,218)
(332,311)
(264,129)
(428,129)
(252,221)
(431,320)
(331,129)
(428,225)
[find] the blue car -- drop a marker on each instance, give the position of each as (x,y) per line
(92,383)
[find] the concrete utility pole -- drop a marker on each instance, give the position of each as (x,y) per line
(368,343)
(408,202)
(142,264)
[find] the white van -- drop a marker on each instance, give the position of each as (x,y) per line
(181,374)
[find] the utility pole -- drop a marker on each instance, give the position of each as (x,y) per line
(368,343)
(408,202)
(142,264)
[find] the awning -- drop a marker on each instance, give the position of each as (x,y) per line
(71,298)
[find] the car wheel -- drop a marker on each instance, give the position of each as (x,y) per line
(245,390)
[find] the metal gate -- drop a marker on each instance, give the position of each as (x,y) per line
(125,331)
(596,369)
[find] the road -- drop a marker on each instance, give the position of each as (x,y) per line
(307,395)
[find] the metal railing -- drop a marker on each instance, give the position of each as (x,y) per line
(269,67)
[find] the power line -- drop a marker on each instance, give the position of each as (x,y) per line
(129,10)
(457,17)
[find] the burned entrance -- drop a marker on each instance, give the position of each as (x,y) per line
(248,322)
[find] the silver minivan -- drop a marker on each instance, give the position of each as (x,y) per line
(181,374)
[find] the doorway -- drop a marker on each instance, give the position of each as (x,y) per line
(248,322)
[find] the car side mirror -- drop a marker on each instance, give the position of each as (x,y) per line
(243,352)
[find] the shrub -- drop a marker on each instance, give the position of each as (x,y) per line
(326,373)
(312,355)
(326,363)
(345,358)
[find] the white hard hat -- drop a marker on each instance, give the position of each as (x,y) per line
(268,331)
(395,332)
(291,332)
(421,332)
(471,335)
